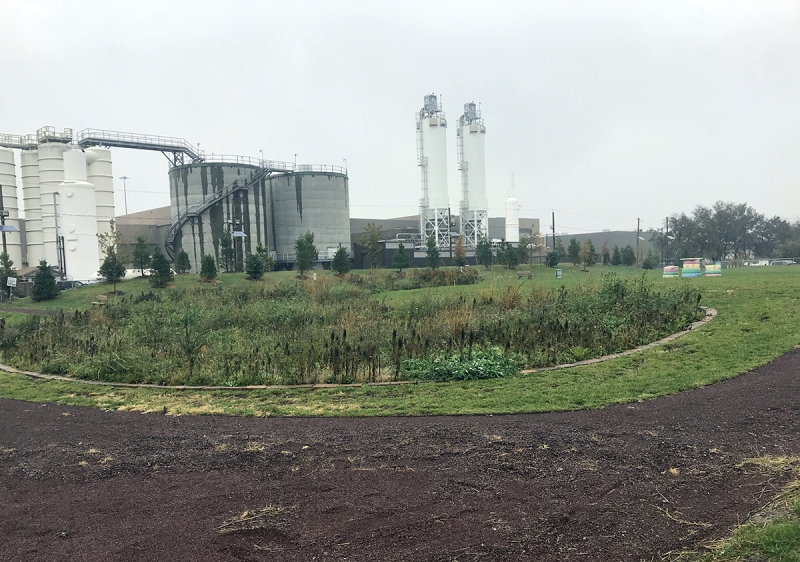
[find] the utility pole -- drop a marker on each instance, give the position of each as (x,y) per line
(450,238)
(554,231)
(3,215)
(125,191)
(638,230)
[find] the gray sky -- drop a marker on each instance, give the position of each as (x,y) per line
(608,110)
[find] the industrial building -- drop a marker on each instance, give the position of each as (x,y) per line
(68,199)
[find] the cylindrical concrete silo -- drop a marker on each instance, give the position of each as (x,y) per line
(8,179)
(51,174)
(77,219)
(99,174)
(29,162)
(434,214)
(193,185)
(310,201)
(471,135)
(512,215)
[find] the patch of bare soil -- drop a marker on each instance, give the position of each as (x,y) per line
(628,482)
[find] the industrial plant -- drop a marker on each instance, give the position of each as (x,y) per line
(67,187)
(68,193)
(434,207)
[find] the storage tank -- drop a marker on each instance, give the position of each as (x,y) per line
(470,138)
(31,196)
(512,215)
(51,174)
(190,184)
(313,201)
(100,175)
(8,179)
(77,219)
(432,154)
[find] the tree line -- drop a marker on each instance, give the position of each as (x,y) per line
(726,231)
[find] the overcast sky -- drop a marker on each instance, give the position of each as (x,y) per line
(605,111)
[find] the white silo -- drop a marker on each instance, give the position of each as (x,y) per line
(29,163)
(432,160)
(471,138)
(99,174)
(8,204)
(51,174)
(512,215)
(77,219)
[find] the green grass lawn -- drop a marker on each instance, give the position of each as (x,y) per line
(758,321)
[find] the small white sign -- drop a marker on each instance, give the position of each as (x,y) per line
(11,282)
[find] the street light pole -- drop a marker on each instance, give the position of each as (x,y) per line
(3,215)
(125,191)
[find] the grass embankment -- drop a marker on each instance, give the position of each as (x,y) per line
(758,321)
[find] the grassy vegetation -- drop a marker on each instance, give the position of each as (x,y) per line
(758,321)
(334,330)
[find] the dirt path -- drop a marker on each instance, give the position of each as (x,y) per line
(82,484)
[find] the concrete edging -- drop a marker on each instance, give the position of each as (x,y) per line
(710,315)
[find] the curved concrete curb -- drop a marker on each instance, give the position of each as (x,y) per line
(710,314)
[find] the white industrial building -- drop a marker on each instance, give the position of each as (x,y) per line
(68,194)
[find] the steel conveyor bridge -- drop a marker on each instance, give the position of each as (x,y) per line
(174,148)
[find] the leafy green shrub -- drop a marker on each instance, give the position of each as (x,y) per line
(489,364)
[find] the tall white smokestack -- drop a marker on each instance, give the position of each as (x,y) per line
(512,215)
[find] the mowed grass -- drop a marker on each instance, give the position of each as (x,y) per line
(758,321)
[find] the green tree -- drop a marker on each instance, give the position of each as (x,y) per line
(266,258)
(400,259)
(160,271)
(650,261)
(371,240)
(616,257)
(459,254)
(341,261)
(112,241)
(574,251)
(227,253)
(208,268)
(507,254)
(305,252)
(628,256)
(44,284)
(254,267)
(606,255)
(182,264)
(562,252)
(551,259)
(588,255)
(112,269)
(141,257)
(483,252)
(432,253)
(6,270)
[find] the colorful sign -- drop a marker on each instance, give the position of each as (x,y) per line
(691,267)
(672,271)
(714,270)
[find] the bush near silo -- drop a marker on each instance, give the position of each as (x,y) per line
(254,267)
(208,268)
(182,264)
(160,272)
(44,283)
(341,261)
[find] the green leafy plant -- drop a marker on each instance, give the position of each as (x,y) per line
(44,283)
(160,273)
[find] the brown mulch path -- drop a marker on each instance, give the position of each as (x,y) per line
(83,484)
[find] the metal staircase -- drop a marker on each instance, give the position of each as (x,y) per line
(264,171)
